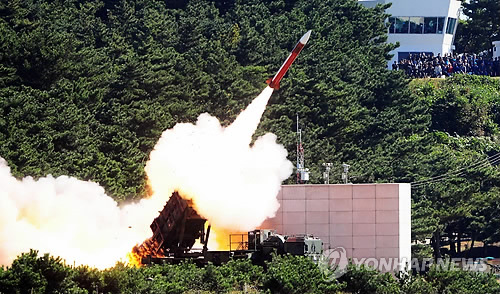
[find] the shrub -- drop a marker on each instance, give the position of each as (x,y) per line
(297,274)
(362,279)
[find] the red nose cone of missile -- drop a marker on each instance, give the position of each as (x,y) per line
(275,81)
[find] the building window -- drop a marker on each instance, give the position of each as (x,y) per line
(430,25)
(440,25)
(416,25)
(450,27)
(392,22)
(402,25)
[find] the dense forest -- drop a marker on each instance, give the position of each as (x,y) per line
(31,273)
(87,88)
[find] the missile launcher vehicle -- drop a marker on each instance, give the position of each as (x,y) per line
(178,228)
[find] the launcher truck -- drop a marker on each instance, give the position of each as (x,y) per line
(179,226)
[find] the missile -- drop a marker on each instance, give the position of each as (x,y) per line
(275,81)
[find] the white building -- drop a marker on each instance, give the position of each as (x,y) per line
(421,26)
(496,49)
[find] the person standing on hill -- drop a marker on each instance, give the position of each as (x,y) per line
(450,70)
(395,66)
(438,71)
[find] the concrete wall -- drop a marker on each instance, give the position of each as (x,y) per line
(368,220)
(496,49)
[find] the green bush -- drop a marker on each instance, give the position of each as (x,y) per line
(240,274)
(88,278)
(30,273)
(415,284)
(362,279)
(297,274)
(462,281)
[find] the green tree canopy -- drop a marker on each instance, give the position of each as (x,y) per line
(480,28)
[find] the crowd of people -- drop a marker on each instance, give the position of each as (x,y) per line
(428,66)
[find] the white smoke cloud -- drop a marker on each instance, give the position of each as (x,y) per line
(233,185)
(70,218)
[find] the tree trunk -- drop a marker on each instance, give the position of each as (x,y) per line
(459,242)
(469,251)
(451,240)
(436,242)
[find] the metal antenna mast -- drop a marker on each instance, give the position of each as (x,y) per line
(302,172)
(326,173)
(345,174)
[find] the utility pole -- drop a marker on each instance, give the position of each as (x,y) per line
(345,174)
(326,174)
(302,171)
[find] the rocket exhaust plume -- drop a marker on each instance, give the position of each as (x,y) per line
(232,184)
(65,217)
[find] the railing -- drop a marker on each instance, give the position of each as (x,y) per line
(238,242)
